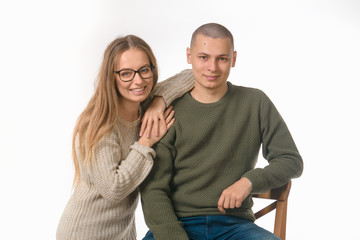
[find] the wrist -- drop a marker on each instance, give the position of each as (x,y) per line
(247,183)
(160,101)
(145,142)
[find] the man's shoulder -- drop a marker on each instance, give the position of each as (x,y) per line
(246,91)
(181,100)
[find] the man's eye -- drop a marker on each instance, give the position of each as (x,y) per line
(203,57)
(223,59)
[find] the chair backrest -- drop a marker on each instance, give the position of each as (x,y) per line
(280,195)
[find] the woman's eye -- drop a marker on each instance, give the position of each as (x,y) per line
(125,73)
(145,70)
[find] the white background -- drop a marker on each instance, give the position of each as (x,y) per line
(304,54)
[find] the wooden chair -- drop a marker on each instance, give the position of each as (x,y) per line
(280,195)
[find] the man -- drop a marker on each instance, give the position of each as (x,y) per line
(203,176)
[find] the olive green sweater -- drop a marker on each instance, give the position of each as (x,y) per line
(210,147)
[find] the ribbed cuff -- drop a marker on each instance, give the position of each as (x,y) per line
(148,152)
(258,183)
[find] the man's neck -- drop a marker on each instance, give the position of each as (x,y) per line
(208,95)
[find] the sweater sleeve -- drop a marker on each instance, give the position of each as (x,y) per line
(155,191)
(173,87)
(116,177)
(278,148)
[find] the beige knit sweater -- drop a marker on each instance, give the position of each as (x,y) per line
(104,202)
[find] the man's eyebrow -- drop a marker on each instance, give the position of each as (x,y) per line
(221,55)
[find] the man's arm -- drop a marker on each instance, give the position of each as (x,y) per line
(156,191)
(278,149)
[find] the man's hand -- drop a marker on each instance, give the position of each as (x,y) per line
(233,196)
(153,118)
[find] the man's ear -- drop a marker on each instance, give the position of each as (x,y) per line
(234,59)
(188,55)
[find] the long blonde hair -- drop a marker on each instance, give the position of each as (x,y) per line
(101,113)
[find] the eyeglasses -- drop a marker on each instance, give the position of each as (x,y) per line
(127,75)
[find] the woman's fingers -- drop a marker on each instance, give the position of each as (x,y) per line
(156,123)
(169,116)
(149,127)
(172,121)
(144,122)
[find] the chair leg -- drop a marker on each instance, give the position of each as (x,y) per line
(280,219)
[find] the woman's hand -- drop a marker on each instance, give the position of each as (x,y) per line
(153,118)
(153,138)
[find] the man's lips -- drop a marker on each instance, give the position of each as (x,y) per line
(211,78)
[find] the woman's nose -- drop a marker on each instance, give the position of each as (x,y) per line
(137,78)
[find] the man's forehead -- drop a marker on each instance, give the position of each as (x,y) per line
(212,46)
(202,37)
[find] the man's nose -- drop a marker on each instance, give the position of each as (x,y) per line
(212,65)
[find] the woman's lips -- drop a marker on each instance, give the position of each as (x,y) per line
(138,91)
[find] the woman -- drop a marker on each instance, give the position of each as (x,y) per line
(109,161)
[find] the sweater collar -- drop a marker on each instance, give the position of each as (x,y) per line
(219,102)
